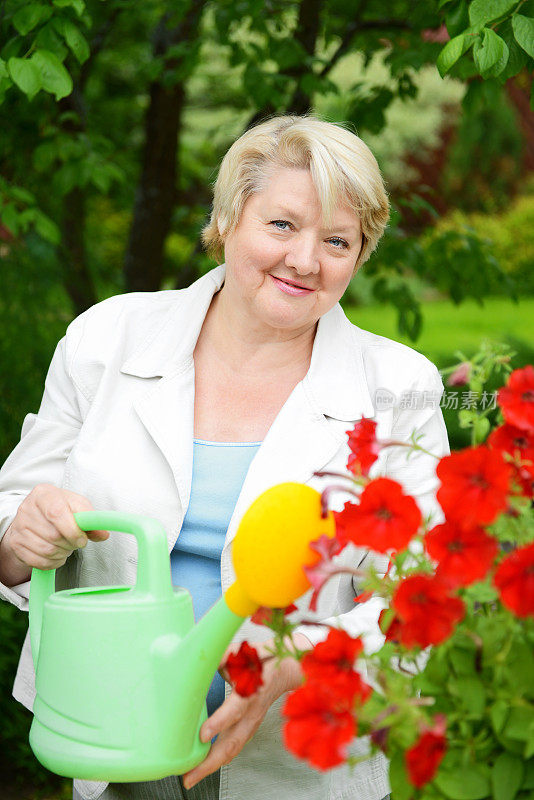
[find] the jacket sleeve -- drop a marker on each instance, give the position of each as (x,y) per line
(417,411)
(46,441)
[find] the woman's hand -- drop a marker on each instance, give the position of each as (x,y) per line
(238,719)
(44,532)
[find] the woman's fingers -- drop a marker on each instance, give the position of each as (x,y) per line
(227,746)
(231,711)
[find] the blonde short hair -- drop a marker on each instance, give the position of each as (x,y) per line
(342,168)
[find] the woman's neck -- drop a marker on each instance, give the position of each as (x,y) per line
(245,348)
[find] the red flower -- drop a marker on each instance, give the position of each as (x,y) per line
(426,610)
(393,632)
(514,580)
(520,445)
(474,486)
(364,447)
(320,725)
(464,556)
(244,670)
(385,519)
(516,399)
(332,662)
(424,757)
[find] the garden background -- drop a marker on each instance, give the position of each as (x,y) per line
(115,117)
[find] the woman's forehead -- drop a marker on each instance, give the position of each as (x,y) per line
(302,205)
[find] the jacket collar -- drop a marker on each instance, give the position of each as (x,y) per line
(335,382)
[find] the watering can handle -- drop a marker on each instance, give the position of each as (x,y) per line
(153,570)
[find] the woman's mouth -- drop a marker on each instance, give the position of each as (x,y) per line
(288,288)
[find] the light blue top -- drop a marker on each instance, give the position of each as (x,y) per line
(219,470)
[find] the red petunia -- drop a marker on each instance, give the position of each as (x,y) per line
(464,556)
(474,486)
(320,725)
(514,580)
(393,631)
(427,612)
(244,670)
(520,445)
(516,399)
(332,662)
(385,519)
(425,756)
(363,445)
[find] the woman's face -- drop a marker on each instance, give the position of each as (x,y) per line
(280,237)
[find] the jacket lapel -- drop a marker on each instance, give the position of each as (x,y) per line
(167,409)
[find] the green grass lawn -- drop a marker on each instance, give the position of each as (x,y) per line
(447,328)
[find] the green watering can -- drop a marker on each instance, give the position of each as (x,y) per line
(122,672)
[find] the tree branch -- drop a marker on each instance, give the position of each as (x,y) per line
(357,27)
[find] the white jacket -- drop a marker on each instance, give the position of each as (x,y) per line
(116,425)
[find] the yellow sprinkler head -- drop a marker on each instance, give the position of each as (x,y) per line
(271,545)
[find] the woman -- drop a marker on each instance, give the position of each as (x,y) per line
(186,405)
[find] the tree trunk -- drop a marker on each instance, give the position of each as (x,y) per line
(76,277)
(156,192)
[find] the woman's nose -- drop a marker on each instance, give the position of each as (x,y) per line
(302,255)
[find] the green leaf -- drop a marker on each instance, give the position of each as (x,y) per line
(47,39)
(498,714)
(506,776)
(3,69)
(528,780)
(491,54)
(23,195)
(77,5)
(460,781)
(482,426)
(25,74)
(55,78)
(452,51)
(470,694)
(463,659)
(10,218)
(74,38)
(482,11)
(517,58)
(27,17)
(524,32)
(517,725)
(47,228)
(457,19)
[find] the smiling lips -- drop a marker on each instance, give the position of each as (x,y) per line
(290,288)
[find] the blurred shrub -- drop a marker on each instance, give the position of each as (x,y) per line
(484,161)
(510,234)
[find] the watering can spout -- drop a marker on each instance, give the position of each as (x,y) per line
(205,643)
(42,585)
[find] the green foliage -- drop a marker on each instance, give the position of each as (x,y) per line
(508,237)
(475,29)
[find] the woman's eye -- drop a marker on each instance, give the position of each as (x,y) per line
(279,222)
(344,244)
